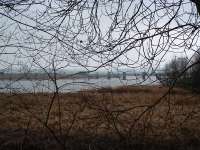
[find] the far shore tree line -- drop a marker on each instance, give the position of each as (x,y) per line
(183,72)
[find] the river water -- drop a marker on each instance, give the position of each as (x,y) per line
(71,85)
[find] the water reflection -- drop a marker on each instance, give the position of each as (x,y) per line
(71,85)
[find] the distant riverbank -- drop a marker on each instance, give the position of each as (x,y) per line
(78,75)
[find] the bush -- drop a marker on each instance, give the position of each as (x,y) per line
(174,71)
(195,73)
(178,71)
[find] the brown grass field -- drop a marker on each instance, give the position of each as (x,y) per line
(121,118)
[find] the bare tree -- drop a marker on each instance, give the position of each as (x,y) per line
(53,35)
(195,72)
(101,33)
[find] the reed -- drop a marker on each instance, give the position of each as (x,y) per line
(127,114)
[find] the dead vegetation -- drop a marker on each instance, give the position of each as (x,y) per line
(138,114)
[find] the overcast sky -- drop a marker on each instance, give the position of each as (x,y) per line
(90,35)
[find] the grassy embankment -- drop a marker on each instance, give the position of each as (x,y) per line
(102,119)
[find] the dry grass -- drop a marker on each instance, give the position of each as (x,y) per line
(104,113)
